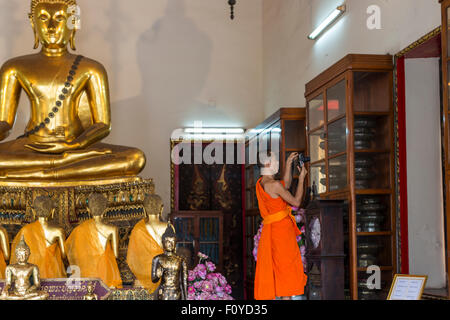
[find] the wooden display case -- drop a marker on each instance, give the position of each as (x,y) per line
(200,231)
(445,4)
(286,129)
(351,144)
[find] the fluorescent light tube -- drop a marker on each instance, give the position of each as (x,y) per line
(339,11)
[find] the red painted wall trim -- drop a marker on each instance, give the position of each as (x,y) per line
(401,116)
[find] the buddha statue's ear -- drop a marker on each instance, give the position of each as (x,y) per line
(36,37)
(72,40)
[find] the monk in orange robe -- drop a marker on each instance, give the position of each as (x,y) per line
(146,242)
(46,242)
(4,251)
(93,246)
(279,268)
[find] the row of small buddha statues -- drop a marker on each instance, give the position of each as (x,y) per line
(92,247)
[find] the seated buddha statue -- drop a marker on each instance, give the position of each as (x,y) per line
(22,279)
(46,242)
(4,251)
(146,242)
(70,108)
(93,246)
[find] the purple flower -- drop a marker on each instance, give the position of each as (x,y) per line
(302,229)
(191,296)
(303,250)
(198,284)
(191,290)
(210,266)
(191,276)
(222,280)
(213,278)
(204,296)
(201,271)
(219,289)
(299,238)
(202,255)
(207,286)
(228,289)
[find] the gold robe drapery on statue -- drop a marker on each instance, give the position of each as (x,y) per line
(2,265)
(48,259)
(142,248)
(85,251)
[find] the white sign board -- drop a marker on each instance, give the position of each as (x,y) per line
(407,287)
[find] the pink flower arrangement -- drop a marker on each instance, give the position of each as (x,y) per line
(204,284)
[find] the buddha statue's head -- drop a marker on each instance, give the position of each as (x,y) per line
(90,288)
(153,205)
(43,207)
(97,204)
(52,23)
(22,251)
(169,239)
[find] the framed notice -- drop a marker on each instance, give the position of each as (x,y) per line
(407,287)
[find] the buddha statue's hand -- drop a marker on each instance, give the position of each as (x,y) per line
(5,129)
(52,147)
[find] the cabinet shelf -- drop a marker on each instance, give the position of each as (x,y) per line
(374,234)
(372,191)
(382,268)
(371,151)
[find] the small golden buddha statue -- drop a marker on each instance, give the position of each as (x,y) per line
(46,242)
(90,295)
(146,242)
(4,251)
(18,285)
(171,269)
(70,109)
(93,246)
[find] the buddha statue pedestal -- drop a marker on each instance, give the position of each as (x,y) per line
(125,206)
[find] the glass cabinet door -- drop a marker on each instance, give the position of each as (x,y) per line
(316,113)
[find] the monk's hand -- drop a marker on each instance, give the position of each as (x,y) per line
(303,172)
(51,147)
(291,158)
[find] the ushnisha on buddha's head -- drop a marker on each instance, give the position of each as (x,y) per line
(153,205)
(169,239)
(97,204)
(22,251)
(52,23)
(43,207)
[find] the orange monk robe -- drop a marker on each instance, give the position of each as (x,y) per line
(142,248)
(48,259)
(85,250)
(279,268)
(2,265)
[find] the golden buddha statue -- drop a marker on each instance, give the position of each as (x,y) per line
(46,242)
(170,269)
(146,242)
(70,109)
(93,246)
(18,285)
(90,295)
(4,251)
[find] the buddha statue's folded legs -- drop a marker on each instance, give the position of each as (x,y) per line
(98,161)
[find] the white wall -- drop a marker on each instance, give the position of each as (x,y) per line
(170,62)
(423,147)
(291,60)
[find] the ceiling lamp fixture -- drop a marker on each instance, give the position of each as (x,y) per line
(232,3)
(338,12)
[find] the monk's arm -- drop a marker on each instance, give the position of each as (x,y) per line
(296,200)
(97,90)
(5,243)
(9,98)
(287,177)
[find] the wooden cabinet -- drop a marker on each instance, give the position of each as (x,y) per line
(325,250)
(283,132)
(351,145)
(200,231)
(446,114)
